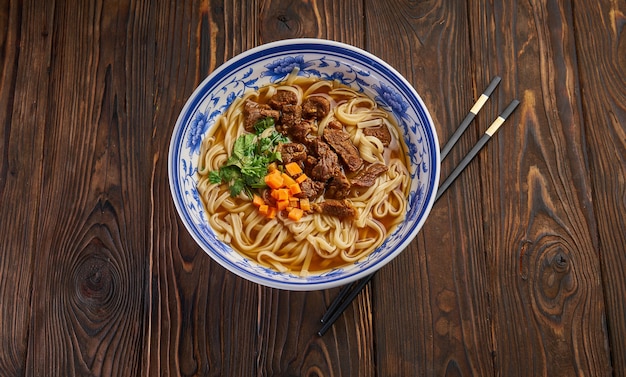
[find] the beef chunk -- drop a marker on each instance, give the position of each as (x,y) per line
(315,107)
(292,152)
(309,164)
(310,189)
(291,115)
(340,141)
(326,161)
(335,125)
(253,112)
(381,132)
(367,176)
(338,208)
(338,187)
(282,98)
(300,131)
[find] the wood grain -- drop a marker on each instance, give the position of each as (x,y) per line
(517,271)
(347,349)
(601,52)
(539,222)
(23,107)
(201,320)
(88,272)
(197,305)
(443,323)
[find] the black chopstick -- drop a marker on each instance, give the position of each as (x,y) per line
(349,292)
(343,293)
(477,147)
(470,116)
(357,287)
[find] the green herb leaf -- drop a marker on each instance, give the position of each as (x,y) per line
(230,173)
(247,166)
(215,177)
(236,187)
(263,125)
(244,146)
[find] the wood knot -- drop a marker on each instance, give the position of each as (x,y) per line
(95,280)
(290,21)
(555,280)
(560,262)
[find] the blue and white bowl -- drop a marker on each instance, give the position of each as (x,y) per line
(271,63)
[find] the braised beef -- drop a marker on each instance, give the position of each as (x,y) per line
(292,152)
(340,141)
(282,98)
(253,112)
(335,124)
(310,189)
(338,208)
(326,161)
(300,131)
(338,187)
(309,164)
(381,133)
(291,114)
(367,176)
(315,107)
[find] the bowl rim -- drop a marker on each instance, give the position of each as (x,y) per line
(303,285)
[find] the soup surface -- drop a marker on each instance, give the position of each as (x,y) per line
(304,176)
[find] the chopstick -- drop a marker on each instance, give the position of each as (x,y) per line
(470,116)
(349,292)
(477,147)
(341,303)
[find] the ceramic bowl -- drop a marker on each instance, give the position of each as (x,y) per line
(271,63)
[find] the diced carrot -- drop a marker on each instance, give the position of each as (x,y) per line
(282,204)
(301,178)
(293,168)
(257,200)
(305,204)
(294,189)
(264,209)
(283,194)
(294,202)
(295,214)
(274,180)
(271,212)
(272,167)
(287,180)
(280,194)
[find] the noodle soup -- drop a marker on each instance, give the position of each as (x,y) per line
(304,176)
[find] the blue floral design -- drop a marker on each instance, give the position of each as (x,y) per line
(336,76)
(251,74)
(197,127)
(280,68)
(391,99)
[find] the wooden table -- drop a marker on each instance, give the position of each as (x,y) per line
(519,270)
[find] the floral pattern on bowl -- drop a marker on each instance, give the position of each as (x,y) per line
(272,63)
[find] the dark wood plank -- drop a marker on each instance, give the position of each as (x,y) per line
(601,51)
(348,349)
(24,62)
(89,277)
(202,319)
(99,277)
(541,243)
(202,315)
(438,283)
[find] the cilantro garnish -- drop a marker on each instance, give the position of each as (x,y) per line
(252,154)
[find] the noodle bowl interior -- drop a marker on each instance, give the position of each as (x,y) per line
(304,176)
